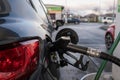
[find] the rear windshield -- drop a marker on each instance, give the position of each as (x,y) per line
(4,7)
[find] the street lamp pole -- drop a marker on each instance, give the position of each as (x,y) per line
(66,12)
(99,10)
(99,7)
(113,10)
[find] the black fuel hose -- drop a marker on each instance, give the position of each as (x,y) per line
(93,52)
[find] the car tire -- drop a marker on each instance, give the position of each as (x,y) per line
(68,32)
(105,23)
(76,22)
(108,40)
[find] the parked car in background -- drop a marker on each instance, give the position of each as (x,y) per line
(25,30)
(109,36)
(73,20)
(107,20)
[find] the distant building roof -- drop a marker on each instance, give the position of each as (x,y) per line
(54,8)
(53,5)
(91,15)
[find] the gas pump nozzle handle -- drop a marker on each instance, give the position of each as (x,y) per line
(63,44)
(93,53)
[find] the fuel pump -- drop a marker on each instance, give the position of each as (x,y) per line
(116,69)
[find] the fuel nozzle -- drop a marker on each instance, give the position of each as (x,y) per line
(60,44)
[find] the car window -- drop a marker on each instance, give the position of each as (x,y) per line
(4,7)
(44,6)
(46,10)
(69,18)
(39,9)
(104,18)
(109,18)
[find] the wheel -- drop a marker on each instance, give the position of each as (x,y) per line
(108,41)
(105,22)
(68,32)
(76,22)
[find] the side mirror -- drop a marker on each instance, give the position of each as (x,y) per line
(59,23)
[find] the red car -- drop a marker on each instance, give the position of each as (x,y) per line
(109,36)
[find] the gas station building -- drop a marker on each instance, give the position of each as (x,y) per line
(55,11)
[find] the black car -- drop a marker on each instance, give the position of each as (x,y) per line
(73,20)
(25,32)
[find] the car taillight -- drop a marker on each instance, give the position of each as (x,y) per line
(18,58)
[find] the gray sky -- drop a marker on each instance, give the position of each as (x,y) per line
(84,5)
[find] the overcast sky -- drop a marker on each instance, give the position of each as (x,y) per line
(85,5)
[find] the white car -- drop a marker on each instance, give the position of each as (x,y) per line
(106,20)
